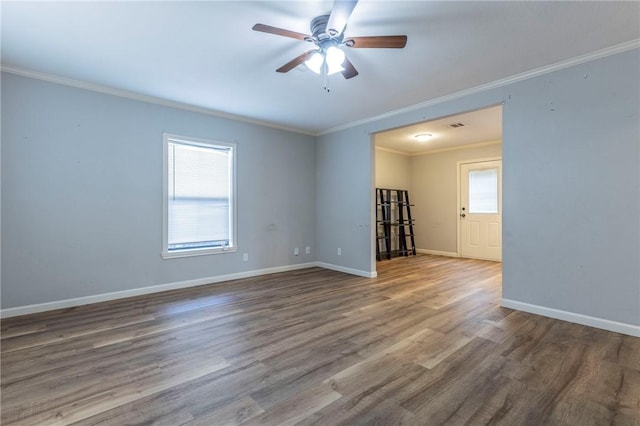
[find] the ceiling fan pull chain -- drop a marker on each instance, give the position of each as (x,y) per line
(325,75)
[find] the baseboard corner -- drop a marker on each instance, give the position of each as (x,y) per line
(346,270)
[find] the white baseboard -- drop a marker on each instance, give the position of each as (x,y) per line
(346,270)
(104,297)
(437,252)
(618,327)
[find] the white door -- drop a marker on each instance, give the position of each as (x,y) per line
(481,210)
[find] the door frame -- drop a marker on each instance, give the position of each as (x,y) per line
(458,192)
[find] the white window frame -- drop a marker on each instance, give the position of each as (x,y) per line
(233,247)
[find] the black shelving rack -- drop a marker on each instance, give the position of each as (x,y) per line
(394,224)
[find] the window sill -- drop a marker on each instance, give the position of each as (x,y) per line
(197,252)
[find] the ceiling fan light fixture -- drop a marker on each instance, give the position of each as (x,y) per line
(335,58)
(423,137)
(327,34)
(332,57)
(314,63)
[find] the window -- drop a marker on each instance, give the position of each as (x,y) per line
(483,191)
(199,197)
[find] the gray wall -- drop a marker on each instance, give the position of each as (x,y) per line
(345,191)
(571,182)
(82,193)
(571,164)
(82,171)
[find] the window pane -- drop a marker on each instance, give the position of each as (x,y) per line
(483,191)
(199,196)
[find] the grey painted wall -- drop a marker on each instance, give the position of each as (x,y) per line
(82,193)
(345,188)
(81,190)
(572,186)
(571,163)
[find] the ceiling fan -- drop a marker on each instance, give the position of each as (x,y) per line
(327,34)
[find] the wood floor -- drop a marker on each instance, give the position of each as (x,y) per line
(425,343)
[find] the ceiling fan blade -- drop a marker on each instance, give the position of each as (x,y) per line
(296,61)
(340,14)
(349,70)
(279,31)
(392,42)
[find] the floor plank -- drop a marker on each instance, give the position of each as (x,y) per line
(425,342)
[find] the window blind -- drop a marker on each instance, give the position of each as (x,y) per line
(199,196)
(483,191)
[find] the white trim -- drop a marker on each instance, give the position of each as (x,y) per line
(478,160)
(481,258)
(437,252)
(393,151)
(144,98)
(105,297)
(196,252)
(604,324)
(208,144)
(458,206)
(598,54)
(457,147)
(346,270)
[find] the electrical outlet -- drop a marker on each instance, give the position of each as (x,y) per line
(339,251)
(296,251)
(307,250)
(245,257)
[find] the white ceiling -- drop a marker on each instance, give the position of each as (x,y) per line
(484,125)
(206,55)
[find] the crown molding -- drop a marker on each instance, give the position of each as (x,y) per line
(619,48)
(437,150)
(393,151)
(602,53)
(456,148)
(144,98)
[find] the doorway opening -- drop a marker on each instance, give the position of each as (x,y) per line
(440,162)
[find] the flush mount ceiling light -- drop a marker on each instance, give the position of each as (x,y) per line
(423,137)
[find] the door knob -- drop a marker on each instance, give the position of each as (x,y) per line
(463,215)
